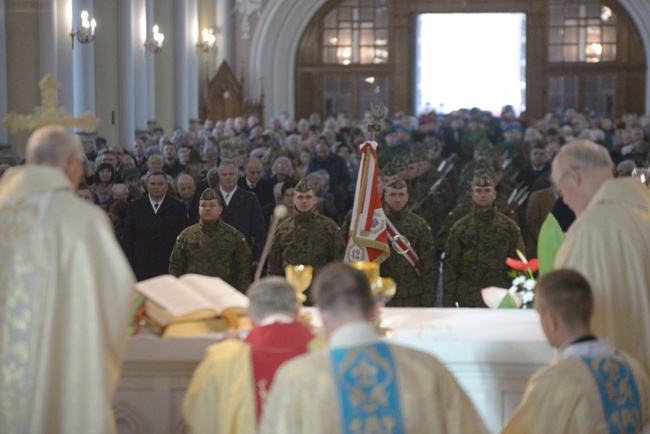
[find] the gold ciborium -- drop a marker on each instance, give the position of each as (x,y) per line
(299,276)
(383,288)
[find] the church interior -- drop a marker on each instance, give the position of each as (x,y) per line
(117,69)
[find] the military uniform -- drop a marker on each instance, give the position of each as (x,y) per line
(477,248)
(213,249)
(412,290)
(305,238)
(475,256)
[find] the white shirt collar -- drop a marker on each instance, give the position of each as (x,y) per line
(227,196)
(153,202)
(275,318)
(593,349)
(356,333)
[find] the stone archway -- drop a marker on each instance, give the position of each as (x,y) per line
(276,40)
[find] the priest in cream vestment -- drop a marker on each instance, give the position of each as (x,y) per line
(65,296)
(360,383)
(591,387)
(229,387)
(609,243)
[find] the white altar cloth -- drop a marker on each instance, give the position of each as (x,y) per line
(492,353)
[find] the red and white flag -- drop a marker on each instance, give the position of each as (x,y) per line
(368,236)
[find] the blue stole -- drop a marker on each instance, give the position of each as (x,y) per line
(367,384)
(618,392)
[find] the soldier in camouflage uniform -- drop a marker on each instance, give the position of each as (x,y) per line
(212,247)
(414,288)
(465,205)
(430,207)
(477,248)
(305,238)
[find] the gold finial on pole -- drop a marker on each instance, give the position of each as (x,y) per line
(377,112)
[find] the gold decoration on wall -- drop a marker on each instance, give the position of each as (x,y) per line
(50,113)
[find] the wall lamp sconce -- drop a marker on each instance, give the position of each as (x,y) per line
(208,40)
(86,32)
(156,44)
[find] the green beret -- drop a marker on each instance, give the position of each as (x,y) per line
(303,186)
(396,183)
(209,194)
(389,170)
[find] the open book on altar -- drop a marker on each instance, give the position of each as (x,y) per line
(191,305)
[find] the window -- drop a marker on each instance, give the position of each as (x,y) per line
(600,91)
(581,31)
(356,32)
(352,93)
(563,93)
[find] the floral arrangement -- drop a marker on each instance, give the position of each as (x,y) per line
(522,291)
(523,279)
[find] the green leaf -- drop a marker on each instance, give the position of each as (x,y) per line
(550,239)
(508,303)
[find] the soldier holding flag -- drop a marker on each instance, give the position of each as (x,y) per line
(413,260)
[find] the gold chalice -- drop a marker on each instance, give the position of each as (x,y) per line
(299,276)
(383,288)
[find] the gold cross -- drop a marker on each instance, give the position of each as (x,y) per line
(49,113)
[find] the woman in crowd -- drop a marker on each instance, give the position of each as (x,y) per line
(103,180)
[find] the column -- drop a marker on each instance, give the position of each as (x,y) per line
(55,24)
(151,75)
(181,83)
(4,135)
(192,37)
(83,64)
(126,116)
(223,20)
(140,60)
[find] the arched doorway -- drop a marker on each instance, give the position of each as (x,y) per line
(585,54)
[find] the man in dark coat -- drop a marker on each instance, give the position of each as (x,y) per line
(151,227)
(252,181)
(338,171)
(241,209)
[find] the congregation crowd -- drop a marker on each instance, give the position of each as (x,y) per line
(439,172)
(464,191)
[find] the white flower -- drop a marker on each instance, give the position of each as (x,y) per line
(519,280)
(528,296)
(529,284)
(513,289)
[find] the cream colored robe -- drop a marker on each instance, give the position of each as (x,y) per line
(609,244)
(220,397)
(65,297)
(304,397)
(564,397)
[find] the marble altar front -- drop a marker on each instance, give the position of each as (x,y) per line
(492,353)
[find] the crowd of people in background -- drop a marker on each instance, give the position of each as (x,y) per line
(436,155)
(465,187)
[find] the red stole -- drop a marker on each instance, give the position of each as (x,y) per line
(271,346)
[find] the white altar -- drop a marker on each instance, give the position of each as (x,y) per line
(492,353)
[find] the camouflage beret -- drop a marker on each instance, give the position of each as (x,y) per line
(484,147)
(194,157)
(396,183)
(483,174)
(209,194)
(419,155)
(388,170)
(399,161)
(303,186)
